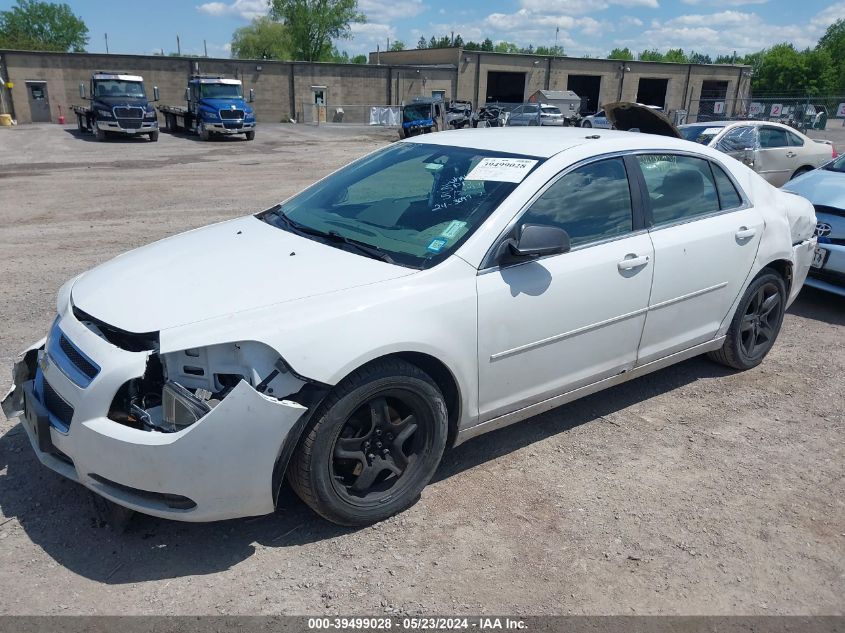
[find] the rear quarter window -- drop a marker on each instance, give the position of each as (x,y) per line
(729,197)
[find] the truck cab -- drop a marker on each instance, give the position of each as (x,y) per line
(421,116)
(217,106)
(119,105)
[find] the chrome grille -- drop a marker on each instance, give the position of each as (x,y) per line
(231,114)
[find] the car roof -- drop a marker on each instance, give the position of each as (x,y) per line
(755,122)
(538,141)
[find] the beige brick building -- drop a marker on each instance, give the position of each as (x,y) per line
(45,83)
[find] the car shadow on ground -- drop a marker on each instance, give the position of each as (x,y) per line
(215,138)
(820,306)
(89,137)
(58,515)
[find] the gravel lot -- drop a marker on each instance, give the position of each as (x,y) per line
(691,491)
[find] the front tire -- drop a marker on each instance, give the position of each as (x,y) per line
(372,445)
(203,132)
(154,137)
(250,136)
(99,134)
(756,323)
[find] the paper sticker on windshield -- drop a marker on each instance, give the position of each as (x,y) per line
(712,130)
(453,229)
(501,169)
(436,245)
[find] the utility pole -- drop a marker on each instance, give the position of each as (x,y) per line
(557,31)
(178,47)
(107,43)
(205,48)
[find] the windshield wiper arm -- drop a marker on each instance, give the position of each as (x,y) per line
(334,236)
(361,247)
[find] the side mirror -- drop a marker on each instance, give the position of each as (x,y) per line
(156,95)
(251,95)
(82,91)
(538,240)
(187,94)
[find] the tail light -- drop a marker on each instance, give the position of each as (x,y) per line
(833,153)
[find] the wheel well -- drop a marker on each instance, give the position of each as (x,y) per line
(784,269)
(444,380)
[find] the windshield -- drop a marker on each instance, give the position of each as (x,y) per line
(220,91)
(118,88)
(411,203)
(699,133)
(416,112)
(837,165)
(551,110)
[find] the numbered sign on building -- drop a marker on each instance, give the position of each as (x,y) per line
(719,107)
(777,109)
(757,109)
(840,111)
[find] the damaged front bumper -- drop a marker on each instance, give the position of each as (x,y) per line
(220,467)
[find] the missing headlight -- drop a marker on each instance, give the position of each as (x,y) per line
(180,408)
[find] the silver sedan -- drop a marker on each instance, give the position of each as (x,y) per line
(777,152)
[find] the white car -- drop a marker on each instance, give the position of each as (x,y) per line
(777,152)
(551,115)
(429,292)
(598,120)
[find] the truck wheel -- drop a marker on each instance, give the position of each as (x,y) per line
(372,445)
(204,133)
(79,123)
(250,136)
(154,136)
(99,134)
(171,123)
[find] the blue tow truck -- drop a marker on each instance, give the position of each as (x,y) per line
(216,105)
(119,105)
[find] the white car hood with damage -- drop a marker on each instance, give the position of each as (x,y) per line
(219,270)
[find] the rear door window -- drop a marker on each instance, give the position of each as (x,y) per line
(729,197)
(795,140)
(772,137)
(680,188)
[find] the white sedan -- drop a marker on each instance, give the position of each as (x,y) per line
(777,152)
(434,290)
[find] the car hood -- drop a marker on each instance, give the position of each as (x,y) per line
(625,115)
(219,270)
(821,187)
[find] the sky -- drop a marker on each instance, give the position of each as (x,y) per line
(582,27)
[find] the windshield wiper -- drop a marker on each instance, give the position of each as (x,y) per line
(334,236)
(361,247)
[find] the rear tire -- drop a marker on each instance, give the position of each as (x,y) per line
(372,445)
(756,323)
(801,171)
(586,124)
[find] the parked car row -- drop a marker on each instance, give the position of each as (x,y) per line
(436,289)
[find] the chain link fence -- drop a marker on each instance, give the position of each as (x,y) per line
(800,112)
(361,115)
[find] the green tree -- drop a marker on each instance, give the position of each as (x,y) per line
(833,42)
(263,39)
(676,55)
(313,24)
(651,56)
(556,51)
(459,41)
(506,47)
(625,54)
(42,26)
(699,58)
(398,45)
(421,43)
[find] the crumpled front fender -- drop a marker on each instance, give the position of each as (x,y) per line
(23,370)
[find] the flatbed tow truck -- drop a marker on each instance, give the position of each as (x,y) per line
(215,105)
(119,105)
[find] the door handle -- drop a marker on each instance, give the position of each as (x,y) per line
(744,233)
(632,260)
(791,154)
